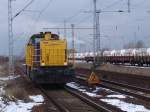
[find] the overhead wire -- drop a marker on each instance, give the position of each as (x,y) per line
(89,16)
(73,16)
(84,20)
(138,4)
(26,6)
(44,9)
(40,13)
(113,4)
(144,18)
(23,9)
(76,14)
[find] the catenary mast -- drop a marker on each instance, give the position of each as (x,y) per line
(10,35)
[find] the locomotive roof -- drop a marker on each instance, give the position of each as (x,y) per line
(37,36)
(41,35)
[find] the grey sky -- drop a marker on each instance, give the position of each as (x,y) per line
(56,11)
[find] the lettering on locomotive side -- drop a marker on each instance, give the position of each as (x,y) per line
(45,42)
(52,44)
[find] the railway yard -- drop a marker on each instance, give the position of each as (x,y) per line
(74,56)
(110,95)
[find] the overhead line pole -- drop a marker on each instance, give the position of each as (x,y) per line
(22,10)
(10,35)
(65,30)
(98,33)
(129,9)
(94,29)
(73,43)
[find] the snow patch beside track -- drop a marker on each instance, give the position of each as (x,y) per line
(128,107)
(19,105)
(113,98)
(8,78)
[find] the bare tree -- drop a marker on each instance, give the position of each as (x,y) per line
(129,45)
(138,44)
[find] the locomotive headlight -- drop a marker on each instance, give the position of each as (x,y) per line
(65,63)
(43,64)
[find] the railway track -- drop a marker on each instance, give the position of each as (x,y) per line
(71,100)
(58,105)
(128,86)
(67,100)
(127,89)
(141,93)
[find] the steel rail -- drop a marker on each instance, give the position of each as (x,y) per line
(87,100)
(57,104)
(121,84)
(128,86)
(124,90)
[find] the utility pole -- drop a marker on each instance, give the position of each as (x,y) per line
(65,30)
(94,29)
(10,35)
(129,6)
(58,31)
(135,39)
(98,46)
(73,43)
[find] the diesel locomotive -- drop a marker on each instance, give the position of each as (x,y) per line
(47,59)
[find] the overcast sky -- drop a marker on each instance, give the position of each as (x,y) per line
(118,28)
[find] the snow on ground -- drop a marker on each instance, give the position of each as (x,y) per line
(2,92)
(96,90)
(8,78)
(20,106)
(113,99)
(79,61)
(37,98)
(83,90)
(76,86)
(116,96)
(7,105)
(72,85)
(136,66)
(91,94)
(128,107)
(24,64)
